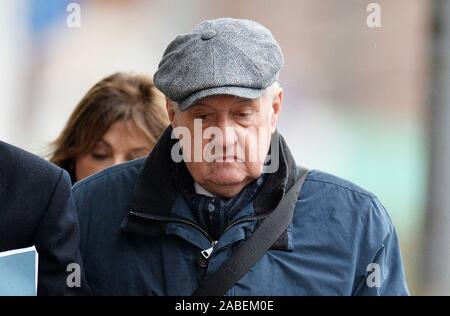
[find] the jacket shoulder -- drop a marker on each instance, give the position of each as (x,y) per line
(334,198)
(20,165)
(22,173)
(101,200)
(123,175)
(327,179)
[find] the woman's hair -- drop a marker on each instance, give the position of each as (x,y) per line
(117,97)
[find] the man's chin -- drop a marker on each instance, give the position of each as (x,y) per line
(226,176)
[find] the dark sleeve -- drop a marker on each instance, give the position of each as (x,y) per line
(384,274)
(57,242)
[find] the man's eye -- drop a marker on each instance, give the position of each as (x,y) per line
(202,116)
(243,115)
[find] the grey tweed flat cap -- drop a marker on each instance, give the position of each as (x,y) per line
(219,57)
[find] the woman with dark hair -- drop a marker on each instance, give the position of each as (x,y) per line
(119,119)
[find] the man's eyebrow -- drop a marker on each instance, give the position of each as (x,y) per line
(238,100)
(242,100)
(199,103)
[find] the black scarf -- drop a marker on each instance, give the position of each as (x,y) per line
(213,213)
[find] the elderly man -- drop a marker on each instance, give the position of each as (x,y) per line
(215,209)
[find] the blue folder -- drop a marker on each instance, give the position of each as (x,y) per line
(19,272)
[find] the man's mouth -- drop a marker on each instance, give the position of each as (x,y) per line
(228,159)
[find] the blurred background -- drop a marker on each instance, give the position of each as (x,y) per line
(369,104)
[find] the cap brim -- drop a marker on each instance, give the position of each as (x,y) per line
(242,92)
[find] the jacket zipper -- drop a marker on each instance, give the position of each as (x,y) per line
(246,219)
(207,252)
(172,219)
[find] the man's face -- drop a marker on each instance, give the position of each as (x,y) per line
(229,138)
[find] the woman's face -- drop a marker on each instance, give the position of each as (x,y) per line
(123,141)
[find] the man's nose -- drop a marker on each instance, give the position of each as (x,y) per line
(227,126)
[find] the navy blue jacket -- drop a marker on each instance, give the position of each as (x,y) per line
(138,236)
(33,212)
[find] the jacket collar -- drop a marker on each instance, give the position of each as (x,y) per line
(155,192)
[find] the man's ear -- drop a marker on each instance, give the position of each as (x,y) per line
(170,111)
(276,109)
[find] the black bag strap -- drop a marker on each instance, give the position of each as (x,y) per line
(241,261)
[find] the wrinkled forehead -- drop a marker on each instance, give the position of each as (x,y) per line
(223,102)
